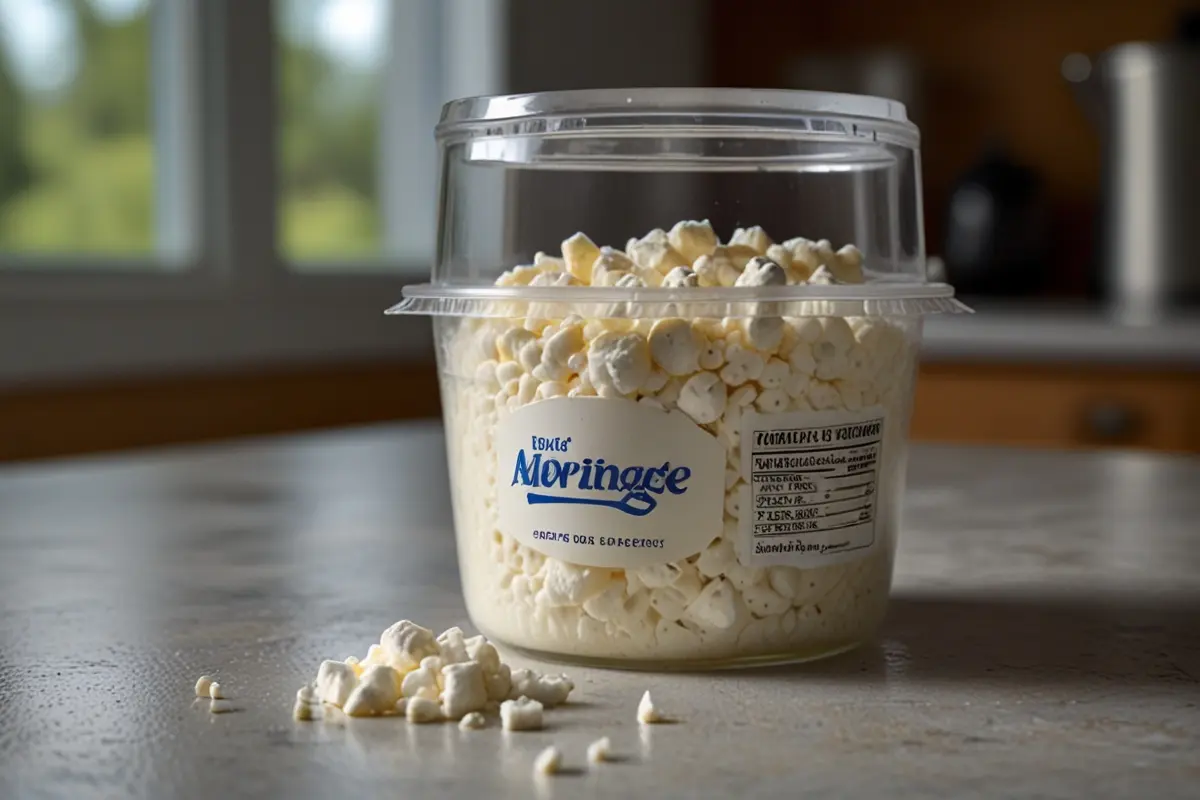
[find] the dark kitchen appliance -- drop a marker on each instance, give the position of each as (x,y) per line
(996,240)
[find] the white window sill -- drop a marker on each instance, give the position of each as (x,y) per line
(176,330)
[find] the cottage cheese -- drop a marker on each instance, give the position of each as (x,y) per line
(427,678)
(647,712)
(307,707)
(599,751)
(548,762)
(521,714)
(717,600)
(472,722)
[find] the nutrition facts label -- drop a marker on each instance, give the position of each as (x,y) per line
(811,492)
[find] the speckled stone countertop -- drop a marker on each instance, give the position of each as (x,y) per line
(1044,638)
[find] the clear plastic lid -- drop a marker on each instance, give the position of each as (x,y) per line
(522,173)
(827,113)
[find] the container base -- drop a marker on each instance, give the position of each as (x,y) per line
(799,656)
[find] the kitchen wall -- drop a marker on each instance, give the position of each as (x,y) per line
(561,45)
(987,70)
(619,43)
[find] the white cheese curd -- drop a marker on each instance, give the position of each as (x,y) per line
(425,678)
(599,751)
(307,707)
(202,685)
(302,712)
(548,762)
(521,714)
(647,712)
(549,690)
(472,722)
(728,591)
(335,681)
(406,643)
(305,712)
(377,691)
(463,689)
(420,710)
(421,682)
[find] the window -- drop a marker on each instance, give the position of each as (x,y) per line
(193,184)
(361,87)
(332,60)
(77,160)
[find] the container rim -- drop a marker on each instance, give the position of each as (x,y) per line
(616,294)
(749,108)
(915,299)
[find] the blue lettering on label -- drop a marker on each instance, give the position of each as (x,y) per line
(637,485)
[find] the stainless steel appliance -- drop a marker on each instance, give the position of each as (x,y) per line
(1145,99)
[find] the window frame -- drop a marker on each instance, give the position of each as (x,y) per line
(236,303)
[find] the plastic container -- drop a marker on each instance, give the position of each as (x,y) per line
(681,451)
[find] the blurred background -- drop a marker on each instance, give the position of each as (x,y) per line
(205,205)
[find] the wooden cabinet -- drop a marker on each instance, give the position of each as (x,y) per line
(1056,406)
(50,421)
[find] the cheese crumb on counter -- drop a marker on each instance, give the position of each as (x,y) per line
(376,693)
(427,678)
(599,751)
(420,710)
(305,712)
(647,712)
(521,714)
(548,762)
(472,722)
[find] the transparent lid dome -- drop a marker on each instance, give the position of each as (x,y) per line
(777,109)
(520,174)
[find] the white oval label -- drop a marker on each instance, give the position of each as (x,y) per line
(608,483)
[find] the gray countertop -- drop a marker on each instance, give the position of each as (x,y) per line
(1044,638)
(1060,333)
